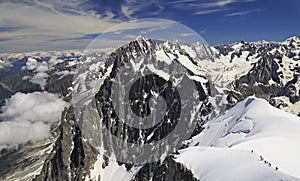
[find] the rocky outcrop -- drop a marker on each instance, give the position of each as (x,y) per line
(256,81)
(67,155)
(274,73)
(25,162)
(168,170)
(71,158)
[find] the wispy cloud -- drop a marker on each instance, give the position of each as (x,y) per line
(207,11)
(50,24)
(205,3)
(67,24)
(186,34)
(241,13)
(39,27)
(128,31)
(147,24)
(182,1)
(205,7)
(219,3)
(49,6)
(148,8)
(238,13)
(127,11)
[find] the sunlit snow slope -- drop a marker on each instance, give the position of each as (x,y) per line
(251,141)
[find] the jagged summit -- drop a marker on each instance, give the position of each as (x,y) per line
(141,38)
(293,42)
(293,38)
(268,70)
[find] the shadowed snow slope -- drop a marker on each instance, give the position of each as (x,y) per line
(247,142)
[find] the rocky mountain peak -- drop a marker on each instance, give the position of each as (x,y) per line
(293,38)
(292,42)
(140,46)
(269,70)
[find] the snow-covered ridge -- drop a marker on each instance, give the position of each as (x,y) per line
(231,130)
(293,42)
(250,125)
(248,142)
(266,69)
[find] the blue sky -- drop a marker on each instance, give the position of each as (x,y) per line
(27,25)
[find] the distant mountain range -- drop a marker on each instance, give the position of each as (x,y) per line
(246,127)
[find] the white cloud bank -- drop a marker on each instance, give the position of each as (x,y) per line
(4,64)
(40,70)
(28,117)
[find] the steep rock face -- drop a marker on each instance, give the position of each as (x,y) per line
(146,50)
(26,162)
(258,78)
(71,157)
(273,74)
(168,170)
(271,71)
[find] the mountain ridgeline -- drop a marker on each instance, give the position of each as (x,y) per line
(223,75)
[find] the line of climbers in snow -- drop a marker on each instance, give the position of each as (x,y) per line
(265,161)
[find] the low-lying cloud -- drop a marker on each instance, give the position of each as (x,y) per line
(28,117)
(40,70)
(4,64)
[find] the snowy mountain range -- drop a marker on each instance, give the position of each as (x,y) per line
(246,112)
